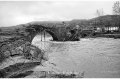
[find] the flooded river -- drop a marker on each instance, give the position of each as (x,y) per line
(96,57)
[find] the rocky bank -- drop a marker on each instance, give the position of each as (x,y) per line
(19,59)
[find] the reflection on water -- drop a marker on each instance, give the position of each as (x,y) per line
(99,57)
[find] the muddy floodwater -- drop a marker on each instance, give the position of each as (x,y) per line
(96,57)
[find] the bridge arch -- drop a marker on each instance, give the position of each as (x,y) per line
(34,30)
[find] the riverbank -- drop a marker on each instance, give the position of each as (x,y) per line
(20,59)
(103,35)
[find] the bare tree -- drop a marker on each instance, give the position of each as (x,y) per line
(99,12)
(116,8)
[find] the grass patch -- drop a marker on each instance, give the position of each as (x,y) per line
(2,57)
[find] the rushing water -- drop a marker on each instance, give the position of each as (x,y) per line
(96,57)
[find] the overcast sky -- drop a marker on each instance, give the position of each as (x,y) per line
(17,12)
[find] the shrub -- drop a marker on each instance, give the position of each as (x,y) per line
(2,57)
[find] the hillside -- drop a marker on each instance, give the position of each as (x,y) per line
(102,21)
(107,20)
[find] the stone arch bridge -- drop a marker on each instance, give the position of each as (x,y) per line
(59,32)
(21,37)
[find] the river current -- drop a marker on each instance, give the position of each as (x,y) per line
(96,57)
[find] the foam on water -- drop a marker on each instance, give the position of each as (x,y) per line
(97,57)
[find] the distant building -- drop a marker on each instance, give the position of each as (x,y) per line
(111,29)
(106,29)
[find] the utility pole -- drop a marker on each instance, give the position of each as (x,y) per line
(41,35)
(44,35)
